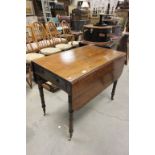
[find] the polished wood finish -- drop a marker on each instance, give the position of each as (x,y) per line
(82,72)
(87,87)
(70,64)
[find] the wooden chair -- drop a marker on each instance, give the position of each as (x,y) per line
(60,40)
(32,50)
(67,31)
(45,41)
(70,36)
(53,32)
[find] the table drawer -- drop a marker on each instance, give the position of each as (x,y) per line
(45,74)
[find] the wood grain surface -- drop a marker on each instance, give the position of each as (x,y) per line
(76,63)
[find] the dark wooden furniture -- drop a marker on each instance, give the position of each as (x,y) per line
(79,17)
(82,73)
(124,45)
(97,33)
(68,33)
(99,44)
(106,19)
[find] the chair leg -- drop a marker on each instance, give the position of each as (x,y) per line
(30,76)
(29,80)
(127,54)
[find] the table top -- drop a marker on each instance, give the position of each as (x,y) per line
(73,64)
(91,26)
(101,44)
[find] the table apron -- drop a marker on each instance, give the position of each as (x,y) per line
(49,76)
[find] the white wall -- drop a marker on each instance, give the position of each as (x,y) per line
(103,3)
(98,3)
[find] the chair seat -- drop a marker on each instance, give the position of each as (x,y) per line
(59,40)
(33,56)
(63,40)
(32,46)
(49,51)
(63,46)
(45,43)
(74,43)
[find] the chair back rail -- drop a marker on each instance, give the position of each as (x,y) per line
(31,44)
(41,35)
(51,29)
(67,30)
(53,32)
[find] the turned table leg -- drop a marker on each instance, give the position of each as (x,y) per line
(70,118)
(113,90)
(42,98)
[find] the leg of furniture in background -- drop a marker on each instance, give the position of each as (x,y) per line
(123,46)
(29,78)
(127,54)
(70,117)
(113,90)
(42,98)
(30,75)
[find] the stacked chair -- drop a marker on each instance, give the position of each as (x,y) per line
(42,46)
(60,39)
(53,32)
(43,41)
(32,50)
(55,42)
(68,34)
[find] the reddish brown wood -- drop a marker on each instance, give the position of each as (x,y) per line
(76,63)
(91,85)
(82,72)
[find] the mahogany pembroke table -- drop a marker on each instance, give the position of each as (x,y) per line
(81,72)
